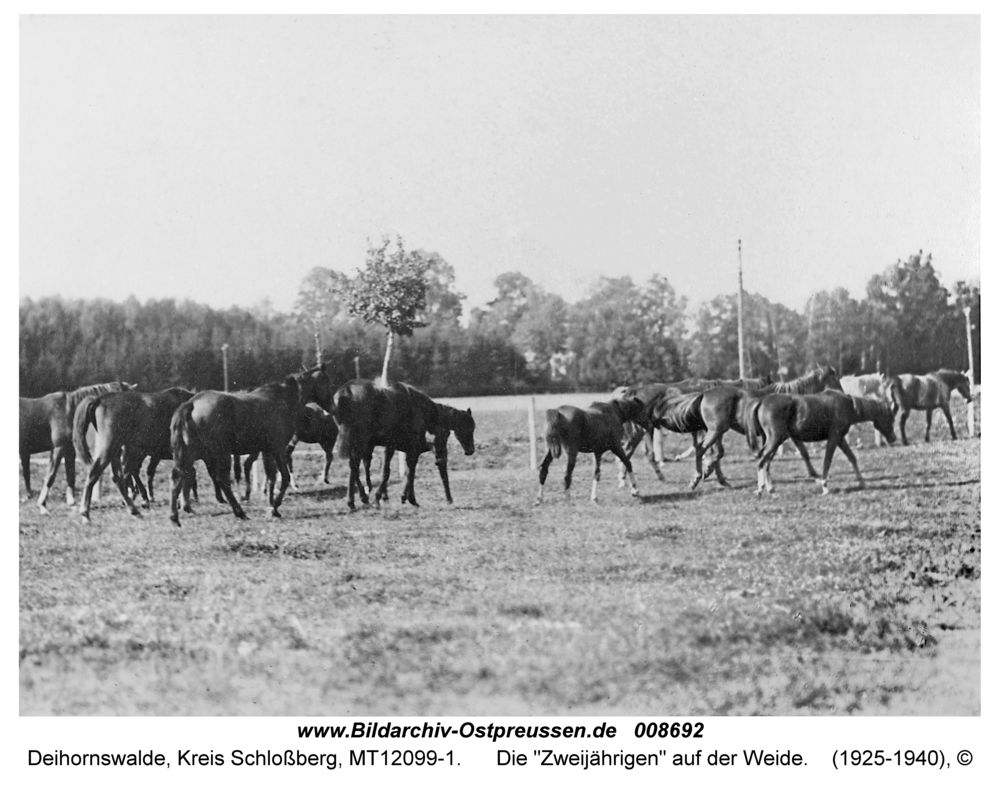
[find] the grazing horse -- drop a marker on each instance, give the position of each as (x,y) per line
(597,429)
(214,426)
(812,418)
(314,426)
(139,423)
(46,423)
(396,417)
(929,392)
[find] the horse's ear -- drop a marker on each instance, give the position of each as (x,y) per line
(469,412)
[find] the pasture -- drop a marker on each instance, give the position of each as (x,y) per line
(709,603)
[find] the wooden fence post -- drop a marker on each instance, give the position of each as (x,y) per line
(532,435)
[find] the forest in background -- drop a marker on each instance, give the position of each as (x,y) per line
(525,340)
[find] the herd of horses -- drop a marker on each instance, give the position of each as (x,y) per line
(812,408)
(220,428)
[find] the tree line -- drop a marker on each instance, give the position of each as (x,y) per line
(525,340)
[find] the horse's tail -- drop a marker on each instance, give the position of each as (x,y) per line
(183,434)
(82,419)
(751,424)
(343,412)
(555,431)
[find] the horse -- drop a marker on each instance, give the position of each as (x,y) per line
(596,429)
(448,420)
(929,392)
(396,417)
(314,426)
(870,386)
(213,426)
(139,424)
(812,418)
(46,423)
(658,397)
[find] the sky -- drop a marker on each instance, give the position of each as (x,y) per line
(221,158)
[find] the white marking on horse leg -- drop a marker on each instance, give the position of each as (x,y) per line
(593,491)
(538,499)
(825,488)
(634,490)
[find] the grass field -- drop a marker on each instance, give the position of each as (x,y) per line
(715,602)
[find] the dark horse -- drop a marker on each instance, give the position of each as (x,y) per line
(139,423)
(215,426)
(313,426)
(396,417)
(686,409)
(828,416)
(46,423)
(929,392)
(597,429)
(448,420)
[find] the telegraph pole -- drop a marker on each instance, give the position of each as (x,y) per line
(971,408)
(225,367)
(739,309)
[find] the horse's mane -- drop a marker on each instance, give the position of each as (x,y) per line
(810,382)
(73,398)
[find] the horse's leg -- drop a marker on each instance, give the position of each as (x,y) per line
(699,452)
(442,465)
(947,416)
(633,490)
(218,468)
(383,487)
(26,472)
(597,476)
(70,476)
(927,434)
(178,477)
(543,473)
(647,441)
(570,465)
(846,449)
(55,457)
(277,459)
(352,480)
(902,425)
(772,442)
(714,440)
(288,461)
(154,462)
(412,457)
(328,449)
(804,452)
(831,447)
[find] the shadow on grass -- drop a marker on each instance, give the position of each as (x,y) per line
(676,496)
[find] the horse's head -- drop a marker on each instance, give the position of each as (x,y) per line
(884,419)
(463,426)
(830,378)
(315,386)
(960,382)
(631,408)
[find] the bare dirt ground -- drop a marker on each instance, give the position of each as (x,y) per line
(863,602)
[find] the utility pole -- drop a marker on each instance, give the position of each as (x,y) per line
(225,367)
(971,408)
(739,309)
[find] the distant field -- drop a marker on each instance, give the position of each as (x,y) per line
(863,602)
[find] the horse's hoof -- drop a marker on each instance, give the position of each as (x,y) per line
(275,514)
(241,515)
(175,519)
(825,491)
(634,492)
(188,509)
(43,511)
(135,512)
